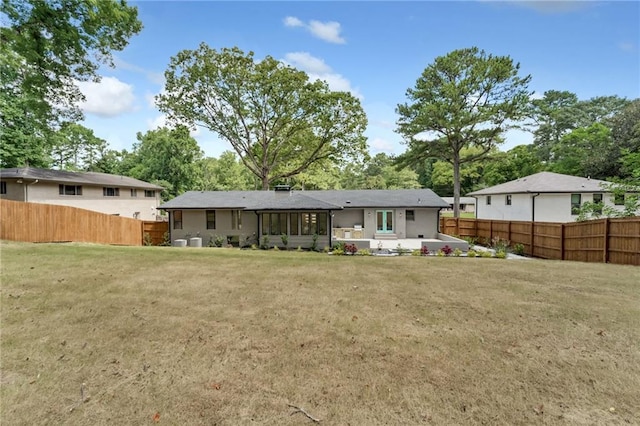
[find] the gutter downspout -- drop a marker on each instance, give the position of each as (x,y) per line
(533,207)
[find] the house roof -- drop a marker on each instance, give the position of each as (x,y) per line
(545,182)
(463,200)
(87,178)
(304,200)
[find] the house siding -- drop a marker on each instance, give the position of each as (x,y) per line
(92,198)
(549,207)
(425,224)
(194,224)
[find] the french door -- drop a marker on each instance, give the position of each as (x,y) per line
(384,221)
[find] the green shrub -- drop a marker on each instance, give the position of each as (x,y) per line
(486,253)
(299,249)
(440,253)
(416,252)
(501,254)
(166,239)
(314,242)
(338,252)
(254,247)
(146,239)
(275,248)
(364,252)
(326,249)
(285,240)
(457,252)
(265,243)
(472,253)
(518,249)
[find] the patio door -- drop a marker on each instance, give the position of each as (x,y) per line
(384,221)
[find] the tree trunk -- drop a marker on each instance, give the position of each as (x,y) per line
(265,182)
(456,185)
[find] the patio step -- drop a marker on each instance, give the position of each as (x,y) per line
(385,236)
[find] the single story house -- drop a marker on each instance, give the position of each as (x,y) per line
(331,215)
(542,197)
(466,205)
(100,192)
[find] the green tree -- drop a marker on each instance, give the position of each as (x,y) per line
(167,155)
(46,46)
(587,151)
(76,148)
(464,99)
(225,173)
(625,131)
(519,161)
(555,115)
(277,121)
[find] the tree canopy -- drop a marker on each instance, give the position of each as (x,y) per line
(276,120)
(47,46)
(467,98)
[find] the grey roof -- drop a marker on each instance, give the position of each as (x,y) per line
(305,200)
(87,178)
(463,200)
(545,182)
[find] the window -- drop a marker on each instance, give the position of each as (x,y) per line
(293,224)
(70,189)
(211,219)
(134,192)
(597,201)
(274,223)
(410,215)
(3,187)
(149,193)
(488,200)
(576,200)
(110,192)
(177,219)
(507,200)
(236,219)
(314,223)
(618,199)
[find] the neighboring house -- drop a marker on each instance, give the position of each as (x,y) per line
(467,204)
(104,193)
(542,197)
(349,214)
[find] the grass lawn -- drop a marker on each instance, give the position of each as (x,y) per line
(463,215)
(142,335)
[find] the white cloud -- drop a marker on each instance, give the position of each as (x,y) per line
(155,77)
(381,145)
(327,31)
(292,21)
(317,69)
(307,62)
(108,98)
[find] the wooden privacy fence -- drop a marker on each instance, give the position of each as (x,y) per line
(602,240)
(35,222)
(156,231)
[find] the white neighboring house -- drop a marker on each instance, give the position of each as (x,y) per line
(100,192)
(542,197)
(467,204)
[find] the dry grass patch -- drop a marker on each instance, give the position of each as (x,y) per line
(220,336)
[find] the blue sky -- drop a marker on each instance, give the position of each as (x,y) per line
(376,50)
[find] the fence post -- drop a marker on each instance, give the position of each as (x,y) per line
(605,250)
(562,241)
(532,224)
(509,233)
(490,231)
(457,226)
